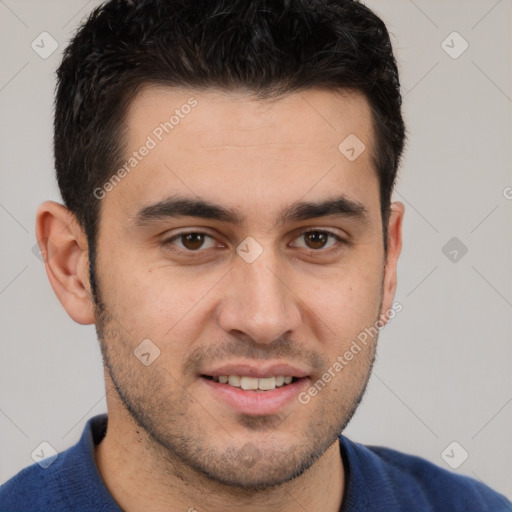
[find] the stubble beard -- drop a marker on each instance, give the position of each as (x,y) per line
(179,446)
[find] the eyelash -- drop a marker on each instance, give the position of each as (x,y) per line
(169,242)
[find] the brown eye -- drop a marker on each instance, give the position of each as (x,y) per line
(192,241)
(318,239)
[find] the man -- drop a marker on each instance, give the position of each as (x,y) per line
(227,170)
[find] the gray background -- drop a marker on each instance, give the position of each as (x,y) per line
(443,372)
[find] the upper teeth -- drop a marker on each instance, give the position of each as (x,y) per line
(254,383)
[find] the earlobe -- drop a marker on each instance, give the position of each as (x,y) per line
(393,253)
(63,245)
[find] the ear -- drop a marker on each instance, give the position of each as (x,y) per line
(63,245)
(393,252)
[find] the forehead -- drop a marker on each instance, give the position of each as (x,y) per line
(225,116)
(230,148)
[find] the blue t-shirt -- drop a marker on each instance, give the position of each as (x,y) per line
(377,480)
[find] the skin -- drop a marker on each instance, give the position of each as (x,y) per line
(172,443)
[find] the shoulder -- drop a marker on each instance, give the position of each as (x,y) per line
(36,488)
(71,482)
(399,481)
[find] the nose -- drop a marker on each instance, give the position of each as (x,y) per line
(258,301)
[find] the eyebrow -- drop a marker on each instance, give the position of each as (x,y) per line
(182,206)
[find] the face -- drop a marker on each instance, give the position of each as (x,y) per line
(246,249)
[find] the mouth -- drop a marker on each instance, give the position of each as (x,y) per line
(254,391)
(258,384)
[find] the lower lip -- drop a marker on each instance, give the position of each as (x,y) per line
(256,403)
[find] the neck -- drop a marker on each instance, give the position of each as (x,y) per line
(141,477)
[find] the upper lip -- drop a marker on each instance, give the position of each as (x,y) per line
(261,371)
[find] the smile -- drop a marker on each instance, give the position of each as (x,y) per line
(254,395)
(253,383)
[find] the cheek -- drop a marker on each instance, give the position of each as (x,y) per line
(158,303)
(170,305)
(346,301)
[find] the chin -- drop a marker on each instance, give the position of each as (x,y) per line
(253,467)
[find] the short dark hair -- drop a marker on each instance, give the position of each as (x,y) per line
(267,47)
